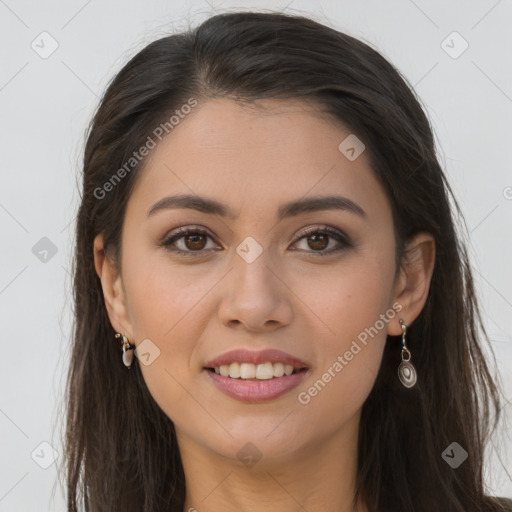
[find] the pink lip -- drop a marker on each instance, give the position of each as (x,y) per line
(249,356)
(257,390)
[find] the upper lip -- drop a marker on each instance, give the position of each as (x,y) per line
(255,357)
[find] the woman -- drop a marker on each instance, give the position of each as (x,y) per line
(265,226)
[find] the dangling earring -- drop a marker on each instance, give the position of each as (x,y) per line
(406,370)
(127,350)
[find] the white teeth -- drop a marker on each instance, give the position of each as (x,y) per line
(264,371)
(247,371)
(234,370)
(278,369)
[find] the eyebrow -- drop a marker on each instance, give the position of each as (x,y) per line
(294,208)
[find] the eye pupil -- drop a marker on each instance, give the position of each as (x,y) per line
(323,241)
(195,241)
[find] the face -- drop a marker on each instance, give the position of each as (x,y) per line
(312,283)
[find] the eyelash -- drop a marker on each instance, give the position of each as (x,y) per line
(326,230)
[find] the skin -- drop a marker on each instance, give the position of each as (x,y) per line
(253,158)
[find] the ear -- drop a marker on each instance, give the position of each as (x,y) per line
(412,285)
(113,290)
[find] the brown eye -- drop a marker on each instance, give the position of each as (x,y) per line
(318,240)
(194,242)
(188,241)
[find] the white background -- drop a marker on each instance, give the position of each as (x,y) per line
(47,103)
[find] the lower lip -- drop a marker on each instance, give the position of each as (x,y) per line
(257,390)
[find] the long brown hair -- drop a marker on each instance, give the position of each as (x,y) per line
(121,452)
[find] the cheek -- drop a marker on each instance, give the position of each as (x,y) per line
(354,312)
(349,359)
(166,306)
(348,299)
(164,298)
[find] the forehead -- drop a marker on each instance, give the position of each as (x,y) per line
(260,153)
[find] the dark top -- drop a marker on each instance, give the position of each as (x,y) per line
(506,502)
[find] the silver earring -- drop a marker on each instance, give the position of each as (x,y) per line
(406,370)
(127,350)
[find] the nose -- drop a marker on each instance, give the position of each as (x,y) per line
(255,296)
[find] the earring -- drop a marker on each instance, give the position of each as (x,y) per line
(127,350)
(406,370)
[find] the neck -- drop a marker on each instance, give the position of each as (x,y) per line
(318,478)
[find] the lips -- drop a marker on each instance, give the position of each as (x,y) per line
(253,391)
(256,357)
